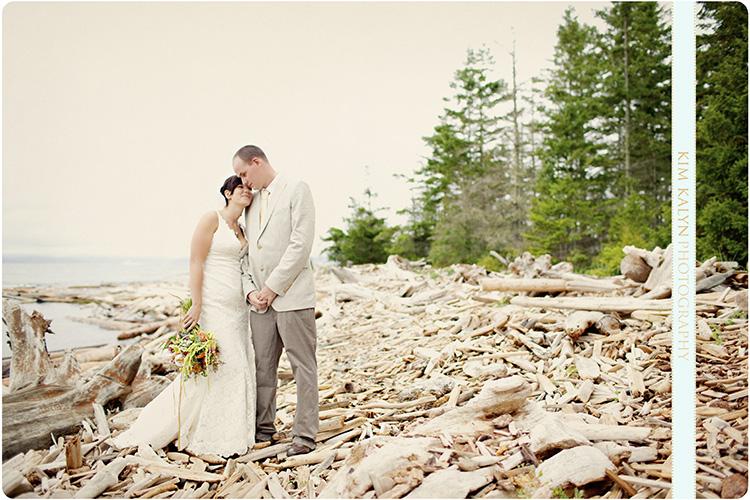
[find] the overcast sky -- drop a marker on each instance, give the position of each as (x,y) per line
(120,120)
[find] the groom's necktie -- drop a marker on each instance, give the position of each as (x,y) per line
(263,205)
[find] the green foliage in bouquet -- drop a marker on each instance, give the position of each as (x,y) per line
(195,351)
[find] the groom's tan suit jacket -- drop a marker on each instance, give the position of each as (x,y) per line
(279,246)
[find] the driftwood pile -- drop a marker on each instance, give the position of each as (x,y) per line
(721,388)
(449,383)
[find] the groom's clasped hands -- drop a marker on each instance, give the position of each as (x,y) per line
(261,299)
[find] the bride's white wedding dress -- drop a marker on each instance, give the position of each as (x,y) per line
(217,415)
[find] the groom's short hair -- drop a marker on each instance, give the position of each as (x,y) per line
(247,153)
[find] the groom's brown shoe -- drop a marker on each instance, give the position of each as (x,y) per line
(298,449)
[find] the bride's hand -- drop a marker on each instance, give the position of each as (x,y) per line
(191,317)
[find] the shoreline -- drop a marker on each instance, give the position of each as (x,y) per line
(444,336)
(81,315)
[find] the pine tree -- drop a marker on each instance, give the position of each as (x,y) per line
(569,214)
(366,240)
(446,169)
(475,118)
(637,46)
(464,180)
(637,93)
(412,241)
(721,133)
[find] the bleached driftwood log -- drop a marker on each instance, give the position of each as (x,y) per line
(652,258)
(544,285)
(124,419)
(660,292)
(30,363)
(529,266)
(351,291)
(343,274)
(741,300)
(712,281)
(661,274)
(705,269)
(147,328)
(69,371)
(496,398)
(601,432)
(105,323)
(28,419)
(577,466)
(379,458)
(103,480)
(580,321)
(452,483)
(14,483)
(604,304)
(550,435)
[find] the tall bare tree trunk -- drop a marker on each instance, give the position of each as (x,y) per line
(517,208)
(628,172)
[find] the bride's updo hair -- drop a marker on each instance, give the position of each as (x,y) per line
(230,185)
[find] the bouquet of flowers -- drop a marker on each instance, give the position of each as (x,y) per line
(194,351)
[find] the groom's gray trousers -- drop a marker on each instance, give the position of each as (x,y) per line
(294,331)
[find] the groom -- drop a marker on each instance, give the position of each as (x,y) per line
(280,288)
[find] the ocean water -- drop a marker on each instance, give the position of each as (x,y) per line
(19,270)
(65,332)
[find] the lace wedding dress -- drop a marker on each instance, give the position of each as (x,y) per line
(217,414)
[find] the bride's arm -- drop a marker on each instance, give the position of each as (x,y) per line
(199,246)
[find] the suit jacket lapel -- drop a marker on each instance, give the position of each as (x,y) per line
(273,200)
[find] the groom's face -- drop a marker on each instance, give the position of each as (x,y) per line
(248,172)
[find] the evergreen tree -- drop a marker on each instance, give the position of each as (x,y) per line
(637,94)
(445,170)
(721,133)
(476,119)
(366,240)
(569,214)
(413,240)
(464,179)
(637,90)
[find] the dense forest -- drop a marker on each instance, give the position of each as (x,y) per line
(721,132)
(575,163)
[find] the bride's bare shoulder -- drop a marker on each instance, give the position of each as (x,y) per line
(209,221)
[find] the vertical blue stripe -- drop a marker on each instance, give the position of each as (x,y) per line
(683,250)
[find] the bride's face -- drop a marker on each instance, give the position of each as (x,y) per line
(242,195)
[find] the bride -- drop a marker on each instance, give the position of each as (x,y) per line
(217,413)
